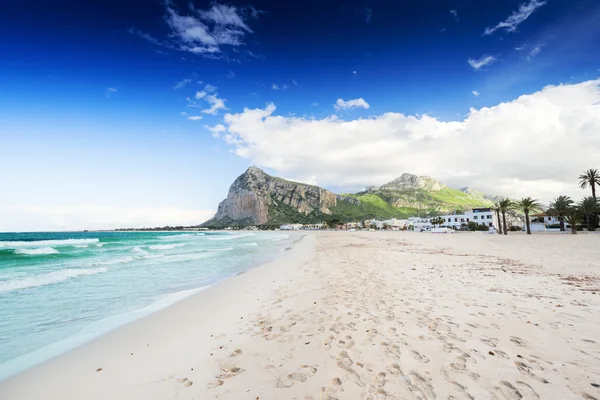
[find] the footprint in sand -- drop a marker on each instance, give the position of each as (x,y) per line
(526,370)
(215,383)
(462,390)
(508,391)
(229,371)
(418,356)
(492,342)
(420,386)
(394,369)
(518,341)
(185,382)
(301,375)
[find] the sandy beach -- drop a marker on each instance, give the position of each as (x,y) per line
(365,315)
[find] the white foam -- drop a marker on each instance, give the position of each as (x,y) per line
(231,236)
(120,260)
(46,243)
(138,250)
(84,246)
(252,244)
(165,246)
(37,252)
(177,237)
(50,278)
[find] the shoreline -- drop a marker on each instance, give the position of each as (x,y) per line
(353,315)
(98,329)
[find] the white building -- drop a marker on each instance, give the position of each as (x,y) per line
(481,216)
(290,227)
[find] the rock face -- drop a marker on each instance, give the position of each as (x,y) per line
(476,193)
(254,194)
(410,181)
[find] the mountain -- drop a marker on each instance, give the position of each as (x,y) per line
(476,193)
(257,198)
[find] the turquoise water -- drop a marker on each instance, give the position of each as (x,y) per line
(59,290)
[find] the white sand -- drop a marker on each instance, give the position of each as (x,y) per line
(362,316)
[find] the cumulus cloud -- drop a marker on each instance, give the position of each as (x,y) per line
(194,117)
(511,23)
(204,32)
(475,93)
(216,130)
(342,104)
(32,218)
(477,64)
(535,145)
(212,99)
(210,88)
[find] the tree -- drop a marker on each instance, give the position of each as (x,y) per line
(559,208)
(573,217)
(505,206)
(590,178)
(472,226)
(437,221)
(528,205)
(333,223)
(496,207)
(588,206)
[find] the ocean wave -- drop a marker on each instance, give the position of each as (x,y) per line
(37,252)
(279,238)
(231,236)
(120,260)
(166,246)
(46,243)
(176,237)
(82,246)
(252,244)
(138,250)
(50,278)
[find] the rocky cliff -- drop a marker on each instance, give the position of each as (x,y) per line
(256,198)
(410,181)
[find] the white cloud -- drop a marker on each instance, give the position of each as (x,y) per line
(210,88)
(482,62)
(28,218)
(294,82)
(530,51)
(354,73)
(368,14)
(216,104)
(341,104)
(204,32)
(213,99)
(511,23)
(112,89)
(475,93)
(455,14)
(181,84)
(315,104)
(277,87)
(195,117)
(216,130)
(514,148)
(230,74)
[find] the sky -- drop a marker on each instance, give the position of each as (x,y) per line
(142,113)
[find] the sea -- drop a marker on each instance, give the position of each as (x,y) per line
(60,290)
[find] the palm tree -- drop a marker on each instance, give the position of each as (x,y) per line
(590,178)
(527,205)
(589,207)
(496,207)
(505,206)
(573,217)
(559,208)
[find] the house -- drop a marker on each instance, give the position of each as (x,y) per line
(543,222)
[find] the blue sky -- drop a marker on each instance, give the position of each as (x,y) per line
(99,98)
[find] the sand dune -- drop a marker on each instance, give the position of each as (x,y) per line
(363,316)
